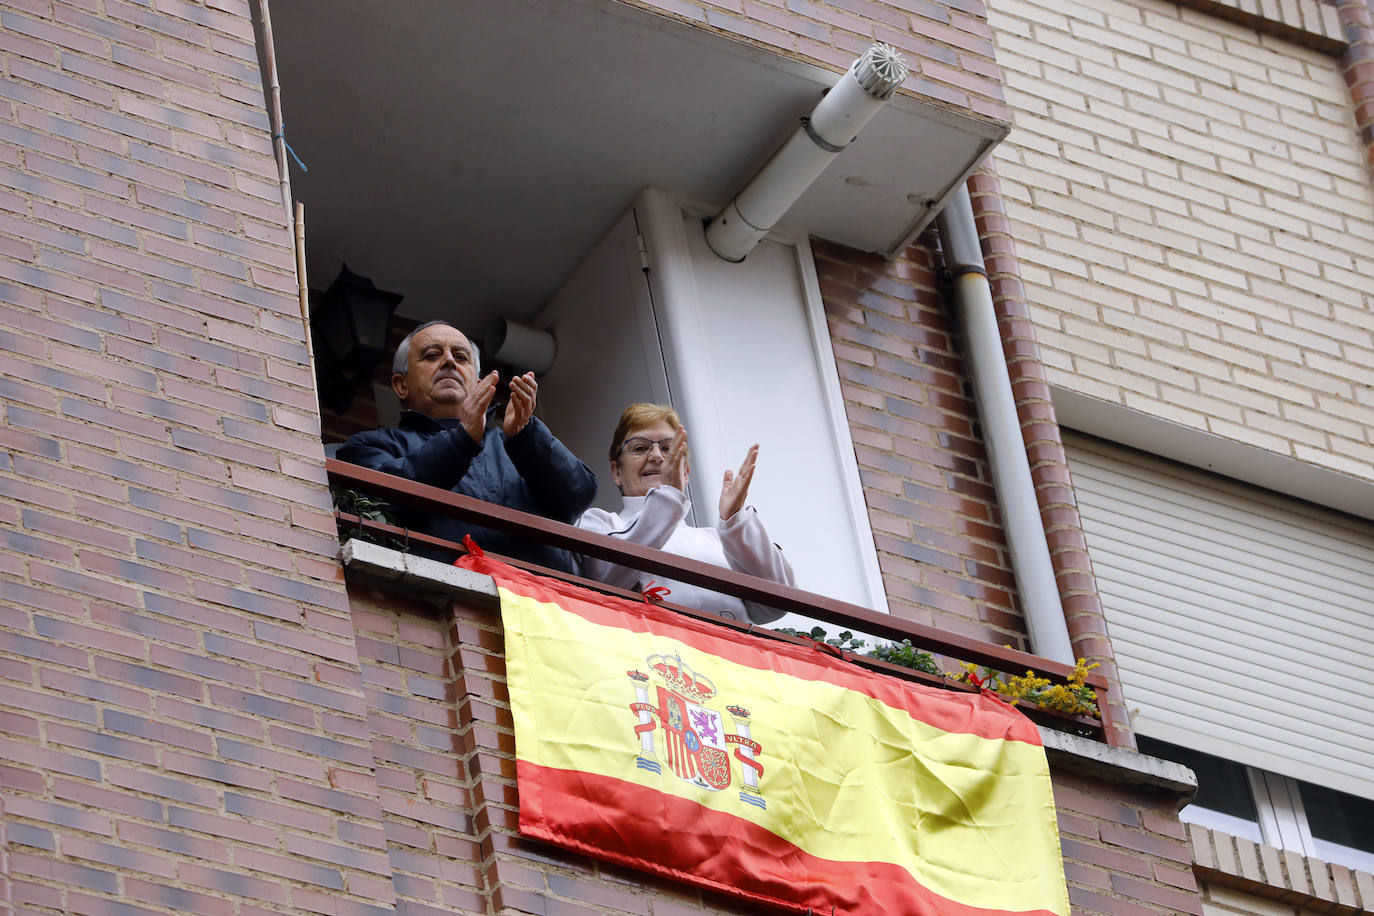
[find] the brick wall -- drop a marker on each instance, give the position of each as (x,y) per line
(1242,877)
(426,794)
(439,712)
(947,44)
(183,725)
(185,720)
(1357,62)
(921,455)
(1195,221)
(1315,23)
(1125,850)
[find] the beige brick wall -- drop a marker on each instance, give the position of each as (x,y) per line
(1195,222)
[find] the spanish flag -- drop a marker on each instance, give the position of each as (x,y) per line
(768,771)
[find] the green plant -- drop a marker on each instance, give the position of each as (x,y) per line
(905,654)
(368,508)
(1073,697)
(902,653)
(845,642)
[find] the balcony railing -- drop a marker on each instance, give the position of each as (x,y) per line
(846,616)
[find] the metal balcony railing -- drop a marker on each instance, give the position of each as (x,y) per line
(846,616)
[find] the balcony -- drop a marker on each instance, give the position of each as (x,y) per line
(833,614)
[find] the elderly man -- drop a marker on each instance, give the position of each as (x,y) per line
(449,436)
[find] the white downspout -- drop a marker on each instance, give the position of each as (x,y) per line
(833,125)
(1030,553)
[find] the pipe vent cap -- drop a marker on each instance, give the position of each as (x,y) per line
(880,71)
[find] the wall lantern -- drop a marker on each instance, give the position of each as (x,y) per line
(352,330)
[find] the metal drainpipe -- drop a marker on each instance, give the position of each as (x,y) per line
(1030,553)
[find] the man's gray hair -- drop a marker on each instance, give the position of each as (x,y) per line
(401,361)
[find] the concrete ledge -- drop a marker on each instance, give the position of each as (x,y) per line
(1210,452)
(418,573)
(1307,22)
(1117,764)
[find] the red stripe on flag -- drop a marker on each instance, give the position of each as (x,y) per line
(675,751)
(643,828)
(961,713)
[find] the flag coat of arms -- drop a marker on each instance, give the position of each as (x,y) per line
(768,771)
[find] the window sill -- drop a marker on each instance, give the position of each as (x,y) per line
(1118,765)
(417,574)
(1298,881)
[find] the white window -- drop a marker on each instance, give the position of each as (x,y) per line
(1279,811)
(1242,622)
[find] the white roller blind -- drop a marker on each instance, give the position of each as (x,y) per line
(1242,621)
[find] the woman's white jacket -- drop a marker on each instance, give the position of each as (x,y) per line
(658,519)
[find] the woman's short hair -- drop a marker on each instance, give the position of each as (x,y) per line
(638,416)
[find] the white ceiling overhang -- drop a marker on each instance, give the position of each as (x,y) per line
(468,153)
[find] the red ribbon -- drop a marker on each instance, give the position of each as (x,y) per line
(656,593)
(643,727)
(823,646)
(749,762)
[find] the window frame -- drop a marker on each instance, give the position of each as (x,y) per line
(1281,821)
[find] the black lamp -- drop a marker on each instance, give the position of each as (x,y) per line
(352,329)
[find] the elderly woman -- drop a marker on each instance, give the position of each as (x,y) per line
(649,465)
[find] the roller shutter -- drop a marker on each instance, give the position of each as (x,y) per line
(1242,620)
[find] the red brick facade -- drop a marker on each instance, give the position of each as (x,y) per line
(949,42)
(1357,21)
(1125,851)
(197,715)
(1049,465)
(184,726)
(921,458)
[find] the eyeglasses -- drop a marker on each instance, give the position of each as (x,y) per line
(638,447)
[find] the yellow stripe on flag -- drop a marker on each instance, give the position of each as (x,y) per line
(846,776)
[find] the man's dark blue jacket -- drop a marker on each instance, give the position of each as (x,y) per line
(532,471)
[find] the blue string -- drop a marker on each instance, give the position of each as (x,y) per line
(282,137)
